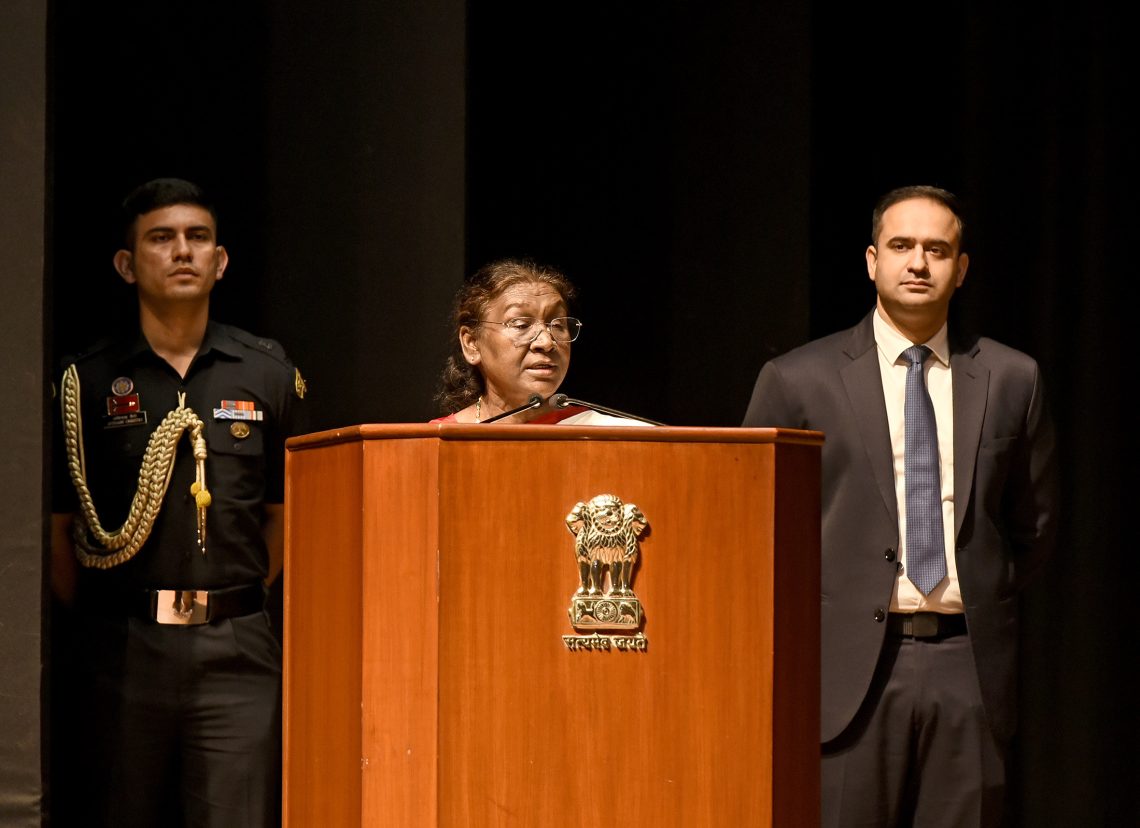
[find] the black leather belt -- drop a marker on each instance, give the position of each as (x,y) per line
(926,624)
(182,607)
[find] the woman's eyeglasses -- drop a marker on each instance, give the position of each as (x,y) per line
(523,330)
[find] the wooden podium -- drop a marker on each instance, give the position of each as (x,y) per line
(428,574)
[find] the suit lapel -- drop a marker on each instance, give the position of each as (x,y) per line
(970,381)
(864,385)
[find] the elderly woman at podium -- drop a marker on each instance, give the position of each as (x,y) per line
(512,331)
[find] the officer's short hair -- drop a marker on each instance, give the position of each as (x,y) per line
(156,194)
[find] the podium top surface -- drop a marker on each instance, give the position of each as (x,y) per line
(476,432)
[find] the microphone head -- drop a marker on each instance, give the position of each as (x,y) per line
(534,401)
(559,401)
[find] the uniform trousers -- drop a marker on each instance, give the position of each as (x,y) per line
(182,724)
(920,751)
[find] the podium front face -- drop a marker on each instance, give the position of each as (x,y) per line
(433,675)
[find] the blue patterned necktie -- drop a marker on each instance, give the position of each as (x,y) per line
(925,543)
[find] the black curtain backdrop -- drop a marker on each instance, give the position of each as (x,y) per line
(660,158)
(705,176)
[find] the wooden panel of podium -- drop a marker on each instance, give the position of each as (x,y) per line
(432,674)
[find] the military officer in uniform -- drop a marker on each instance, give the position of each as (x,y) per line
(168,528)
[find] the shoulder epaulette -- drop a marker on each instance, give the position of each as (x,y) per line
(271,348)
(261,344)
(86,353)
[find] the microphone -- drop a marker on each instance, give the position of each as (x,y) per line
(534,402)
(562,401)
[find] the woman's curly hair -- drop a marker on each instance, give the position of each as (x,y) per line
(461,383)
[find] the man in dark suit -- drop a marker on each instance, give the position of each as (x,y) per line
(920,622)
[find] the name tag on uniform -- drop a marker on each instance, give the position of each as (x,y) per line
(238,410)
(122,404)
(123,410)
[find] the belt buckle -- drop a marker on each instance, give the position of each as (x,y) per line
(182,607)
(925,625)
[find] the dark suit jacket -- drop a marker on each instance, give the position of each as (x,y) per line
(1004,502)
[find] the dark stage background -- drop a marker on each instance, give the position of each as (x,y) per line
(704,175)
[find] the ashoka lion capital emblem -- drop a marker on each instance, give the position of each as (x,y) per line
(605,547)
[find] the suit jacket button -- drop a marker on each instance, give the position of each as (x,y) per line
(880,615)
(889,554)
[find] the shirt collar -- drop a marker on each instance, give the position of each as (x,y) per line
(891,343)
(215,339)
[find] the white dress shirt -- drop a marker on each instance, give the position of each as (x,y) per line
(946,597)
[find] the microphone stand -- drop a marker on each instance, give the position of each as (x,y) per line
(534,402)
(562,401)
